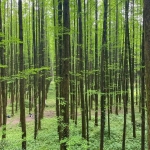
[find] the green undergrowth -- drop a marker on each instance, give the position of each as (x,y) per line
(48,139)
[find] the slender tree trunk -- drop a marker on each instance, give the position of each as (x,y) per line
(86,69)
(43,57)
(143,97)
(35,66)
(103,73)
(125,78)
(12,67)
(21,68)
(59,66)
(72,76)
(3,83)
(65,72)
(39,59)
(146,18)
(116,58)
(109,71)
(80,49)
(29,66)
(16,67)
(131,73)
(96,64)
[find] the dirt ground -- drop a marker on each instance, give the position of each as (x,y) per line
(15,119)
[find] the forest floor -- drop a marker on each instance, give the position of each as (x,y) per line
(49,112)
(15,119)
(49,131)
(47,138)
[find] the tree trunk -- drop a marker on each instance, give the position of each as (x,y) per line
(96,64)
(12,67)
(65,73)
(125,78)
(35,66)
(59,65)
(21,68)
(81,64)
(43,58)
(143,97)
(146,18)
(3,83)
(103,73)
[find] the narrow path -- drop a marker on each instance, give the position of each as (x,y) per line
(15,119)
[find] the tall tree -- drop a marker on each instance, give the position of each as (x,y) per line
(142,96)
(16,59)
(131,73)
(29,41)
(58,51)
(3,73)
(65,72)
(96,63)
(12,66)
(35,66)
(103,73)
(86,67)
(125,78)
(21,68)
(43,56)
(81,66)
(146,19)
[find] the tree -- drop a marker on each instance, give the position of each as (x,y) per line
(146,19)
(65,73)
(58,59)
(43,57)
(142,96)
(3,82)
(125,78)
(12,67)
(103,73)
(21,68)
(131,74)
(35,66)
(81,64)
(96,64)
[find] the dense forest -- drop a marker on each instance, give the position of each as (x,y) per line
(75,74)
